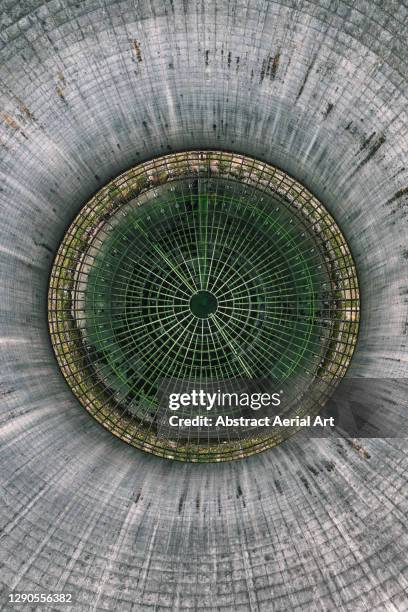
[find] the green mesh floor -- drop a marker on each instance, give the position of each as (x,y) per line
(216,268)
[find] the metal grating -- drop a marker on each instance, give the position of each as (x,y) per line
(203,266)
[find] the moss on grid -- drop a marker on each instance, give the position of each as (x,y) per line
(334,327)
(121,321)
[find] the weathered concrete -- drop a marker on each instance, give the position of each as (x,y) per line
(90,88)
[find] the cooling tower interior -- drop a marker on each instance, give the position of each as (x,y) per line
(91,91)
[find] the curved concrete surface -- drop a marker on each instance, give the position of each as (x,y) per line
(87,90)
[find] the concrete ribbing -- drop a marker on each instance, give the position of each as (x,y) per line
(87,90)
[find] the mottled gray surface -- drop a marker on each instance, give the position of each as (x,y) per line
(88,88)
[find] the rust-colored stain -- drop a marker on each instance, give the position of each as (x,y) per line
(270,66)
(357,446)
(60,86)
(138,52)
(25,111)
(8,119)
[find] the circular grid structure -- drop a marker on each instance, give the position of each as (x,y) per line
(201,266)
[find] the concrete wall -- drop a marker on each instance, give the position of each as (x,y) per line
(89,88)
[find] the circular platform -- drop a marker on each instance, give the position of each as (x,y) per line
(201,267)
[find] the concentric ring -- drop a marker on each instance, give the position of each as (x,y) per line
(200,266)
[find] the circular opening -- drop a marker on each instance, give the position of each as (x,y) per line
(201,266)
(203,304)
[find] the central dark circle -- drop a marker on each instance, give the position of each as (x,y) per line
(203,304)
